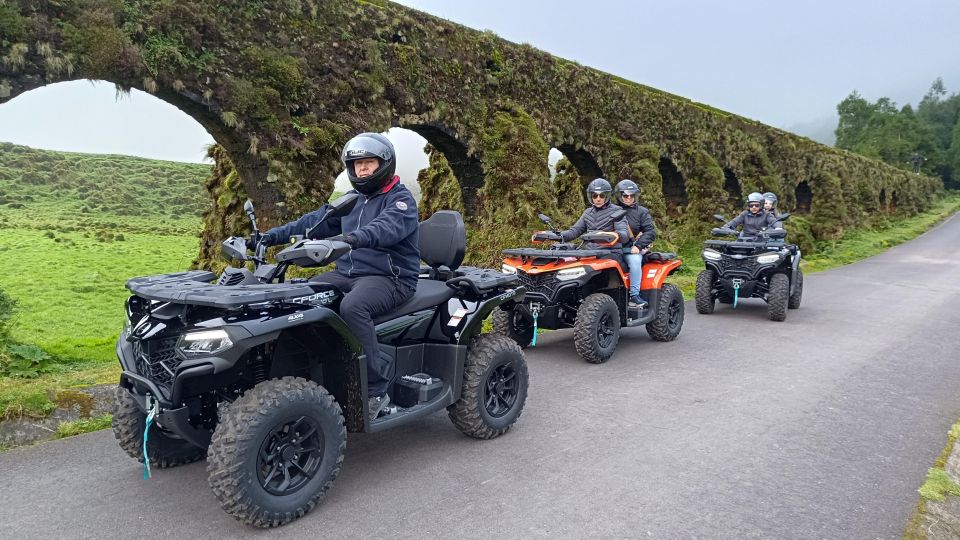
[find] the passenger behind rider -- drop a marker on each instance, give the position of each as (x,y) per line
(770,203)
(641,232)
(753,219)
(381,271)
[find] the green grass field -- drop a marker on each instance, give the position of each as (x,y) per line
(75,227)
(69,288)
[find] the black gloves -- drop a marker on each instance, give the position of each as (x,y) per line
(265,239)
(346,239)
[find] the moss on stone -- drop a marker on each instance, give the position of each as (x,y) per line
(439,189)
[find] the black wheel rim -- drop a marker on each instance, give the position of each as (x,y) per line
(500,393)
(605,331)
(673,313)
(290,456)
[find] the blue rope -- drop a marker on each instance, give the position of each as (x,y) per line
(146,433)
(533,343)
(736,294)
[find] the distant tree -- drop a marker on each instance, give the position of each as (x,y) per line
(882,131)
(855,113)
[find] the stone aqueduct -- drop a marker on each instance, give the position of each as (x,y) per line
(282,84)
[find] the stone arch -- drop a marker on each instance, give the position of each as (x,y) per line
(585,164)
(894,201)
(804,197)
(241,149)
(731,184)
(674,186)
(466,168)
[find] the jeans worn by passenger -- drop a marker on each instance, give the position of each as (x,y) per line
(635,264)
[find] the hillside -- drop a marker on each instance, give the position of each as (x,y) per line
(75,185)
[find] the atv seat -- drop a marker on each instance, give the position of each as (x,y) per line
(443,243)
(429,293)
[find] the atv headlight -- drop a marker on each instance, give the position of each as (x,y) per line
(203,343)
(507,269)
(768,258)
(711,255)
(571,273)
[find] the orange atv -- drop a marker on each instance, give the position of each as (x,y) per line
(584,289)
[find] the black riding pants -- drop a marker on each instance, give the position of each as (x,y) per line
(365,298)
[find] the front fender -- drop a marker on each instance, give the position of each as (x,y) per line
(269,329)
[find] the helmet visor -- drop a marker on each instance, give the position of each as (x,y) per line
(366,147)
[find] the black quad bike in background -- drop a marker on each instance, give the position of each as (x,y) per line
(763,266)
(571,287)
(263,377)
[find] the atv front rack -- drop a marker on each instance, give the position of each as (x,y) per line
(743,244)
(191,288)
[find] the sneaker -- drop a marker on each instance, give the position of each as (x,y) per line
(637,303)
(377,404)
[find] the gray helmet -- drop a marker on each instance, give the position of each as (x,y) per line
(599,185)
(370,145)
(768,196)
(755,197)
(627,187)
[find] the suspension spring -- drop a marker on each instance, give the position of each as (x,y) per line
(259,367)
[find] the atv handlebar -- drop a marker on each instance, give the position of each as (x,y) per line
(545,236)
(311,253)
(603,238)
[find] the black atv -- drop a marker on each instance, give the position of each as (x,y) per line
(263,377)
(762,266)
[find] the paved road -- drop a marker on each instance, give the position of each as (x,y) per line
(819,427)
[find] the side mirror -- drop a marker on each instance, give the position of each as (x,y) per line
(234,248)
(544,218)
(720,218)
(337,208)
(248,207)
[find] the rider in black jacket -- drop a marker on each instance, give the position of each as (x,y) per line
(598,216)
(642,233)
(754,218)
(380,272)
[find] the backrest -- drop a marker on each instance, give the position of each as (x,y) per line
(443,242)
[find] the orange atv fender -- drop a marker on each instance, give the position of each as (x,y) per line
(656,272)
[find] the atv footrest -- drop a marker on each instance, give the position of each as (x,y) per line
(411,390)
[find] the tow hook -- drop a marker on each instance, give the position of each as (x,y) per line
(153,410)
(737,283)
(535,311)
